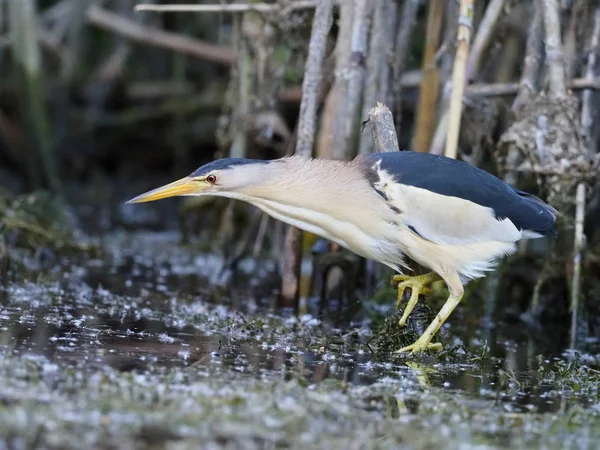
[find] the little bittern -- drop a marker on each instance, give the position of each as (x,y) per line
(445,214)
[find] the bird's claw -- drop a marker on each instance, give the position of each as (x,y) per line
(401,282)
(420,346)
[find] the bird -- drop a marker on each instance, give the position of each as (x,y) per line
(447,215)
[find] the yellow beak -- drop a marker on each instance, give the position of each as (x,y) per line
(185,186)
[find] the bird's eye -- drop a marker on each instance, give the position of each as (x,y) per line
(211,179)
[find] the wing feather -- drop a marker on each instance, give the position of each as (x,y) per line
(448,220)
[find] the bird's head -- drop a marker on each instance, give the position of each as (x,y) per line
(228,177)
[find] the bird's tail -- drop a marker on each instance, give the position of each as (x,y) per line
(543,216)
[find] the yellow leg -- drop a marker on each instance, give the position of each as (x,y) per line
(417,286)
(424,341)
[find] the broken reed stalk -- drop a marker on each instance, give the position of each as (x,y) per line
(407,23)
(430,82)
(528,84)
(290,280)
(578,247)
(383,130)
(465,24)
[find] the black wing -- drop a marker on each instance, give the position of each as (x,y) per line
(447,176)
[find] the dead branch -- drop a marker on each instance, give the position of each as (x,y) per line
(128,29)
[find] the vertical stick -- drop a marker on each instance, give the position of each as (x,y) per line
(430,83)
(292,257)
(577,254)
(465,24)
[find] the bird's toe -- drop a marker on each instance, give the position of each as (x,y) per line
(420,346)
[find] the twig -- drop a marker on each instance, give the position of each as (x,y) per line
(430,83)
(465,24)
(383,129)
(589,108)
(528,85)
(554,54)
(578,247)
(152,36)
(409,14)
(292,256)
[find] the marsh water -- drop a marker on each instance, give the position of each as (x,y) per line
(149,346)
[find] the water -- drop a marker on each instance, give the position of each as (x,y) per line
(143,348)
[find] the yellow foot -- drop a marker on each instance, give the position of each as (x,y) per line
(420,346)
(417,286)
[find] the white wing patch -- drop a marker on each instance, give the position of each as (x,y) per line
(444,219)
